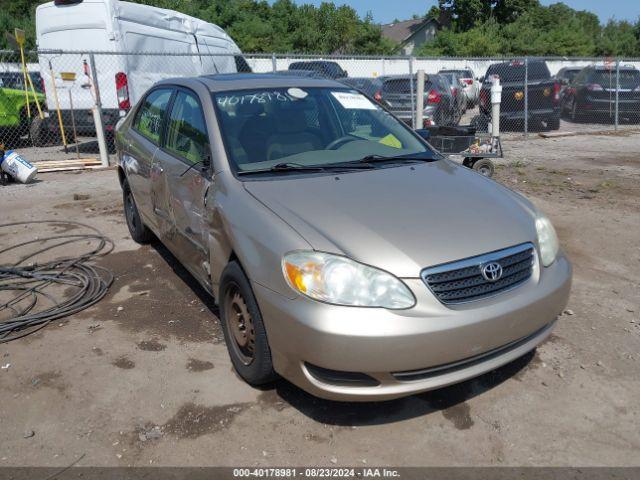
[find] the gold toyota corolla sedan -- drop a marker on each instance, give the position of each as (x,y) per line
(346,255)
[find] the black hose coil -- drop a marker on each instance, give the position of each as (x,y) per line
(31,283)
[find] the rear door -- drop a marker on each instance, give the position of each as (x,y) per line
(184,151)
(140,147)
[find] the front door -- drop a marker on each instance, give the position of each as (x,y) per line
(181,158)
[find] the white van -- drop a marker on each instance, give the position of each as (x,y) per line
(122,28)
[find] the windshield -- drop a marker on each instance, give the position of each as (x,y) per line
(15,80)
(309,127)
(629,79)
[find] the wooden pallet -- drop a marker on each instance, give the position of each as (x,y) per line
(68,165)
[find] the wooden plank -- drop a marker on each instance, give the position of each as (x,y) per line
(68,169)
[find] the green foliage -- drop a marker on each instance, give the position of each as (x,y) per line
(524,27)
(255,25)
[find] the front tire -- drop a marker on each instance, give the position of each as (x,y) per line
(244,331)
(138,230)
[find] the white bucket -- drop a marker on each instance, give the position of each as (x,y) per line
(18,167)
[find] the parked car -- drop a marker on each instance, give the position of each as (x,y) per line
(439,104)
(300,73)
(299,205)
(324,67)
(372,87)
(17,116)
(592,94)
(543,93)
(470,84)
(124,27)
(455,85)
(564,77)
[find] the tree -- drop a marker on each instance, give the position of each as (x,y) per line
(255,25)
(618,39)
(467,14)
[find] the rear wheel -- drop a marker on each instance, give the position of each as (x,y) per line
(575,117)
(244,332)
(553,123)
(38,133)
(138,230)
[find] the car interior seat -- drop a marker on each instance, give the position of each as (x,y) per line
(293,135)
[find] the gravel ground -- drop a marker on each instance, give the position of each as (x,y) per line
(143,377)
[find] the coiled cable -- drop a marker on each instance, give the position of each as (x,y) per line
(43,291)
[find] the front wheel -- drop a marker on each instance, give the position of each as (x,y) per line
(138,230)
(244,332)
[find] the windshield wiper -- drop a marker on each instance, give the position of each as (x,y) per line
(296,167)
(393,158)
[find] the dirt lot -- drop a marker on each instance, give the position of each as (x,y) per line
(144,378)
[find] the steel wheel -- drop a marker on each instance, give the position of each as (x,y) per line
(239,324)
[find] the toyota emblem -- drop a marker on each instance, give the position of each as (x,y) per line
(491,271)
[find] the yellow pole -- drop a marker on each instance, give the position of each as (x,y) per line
(55,98)
(35,97)
(24,73)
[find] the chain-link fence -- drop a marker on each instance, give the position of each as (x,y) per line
(50,111)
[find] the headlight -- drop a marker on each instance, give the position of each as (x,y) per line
(547,240)
(338,280)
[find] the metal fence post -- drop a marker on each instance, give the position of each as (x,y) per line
(413,98)
(97,114)
(526,97)
(419,111)
(274,63)
(617,90)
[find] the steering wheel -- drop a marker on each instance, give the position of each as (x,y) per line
(339,142)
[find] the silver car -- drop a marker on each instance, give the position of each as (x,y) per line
(345,254)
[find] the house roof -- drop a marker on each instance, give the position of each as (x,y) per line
(402,31)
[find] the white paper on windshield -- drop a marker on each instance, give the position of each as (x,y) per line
(353,101)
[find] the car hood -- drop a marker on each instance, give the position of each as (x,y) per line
(401,219)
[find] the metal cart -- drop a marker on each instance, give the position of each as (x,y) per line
(476,149)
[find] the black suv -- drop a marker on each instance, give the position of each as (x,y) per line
(543,93)
(592,94)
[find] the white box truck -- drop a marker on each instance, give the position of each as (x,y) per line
(120,30)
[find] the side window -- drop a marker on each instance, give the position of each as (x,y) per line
(186,131)
(148,121)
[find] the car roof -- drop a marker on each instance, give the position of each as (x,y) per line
(245,81)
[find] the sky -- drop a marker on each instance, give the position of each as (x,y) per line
(385,11)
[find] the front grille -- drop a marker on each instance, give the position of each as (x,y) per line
(463,280)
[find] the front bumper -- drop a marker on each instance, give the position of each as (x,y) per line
(446,344)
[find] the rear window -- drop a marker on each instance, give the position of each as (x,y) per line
(607,79)
(241,64)
(570,74)
(402,85)
(460,73)
(515,71)
(148,120)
